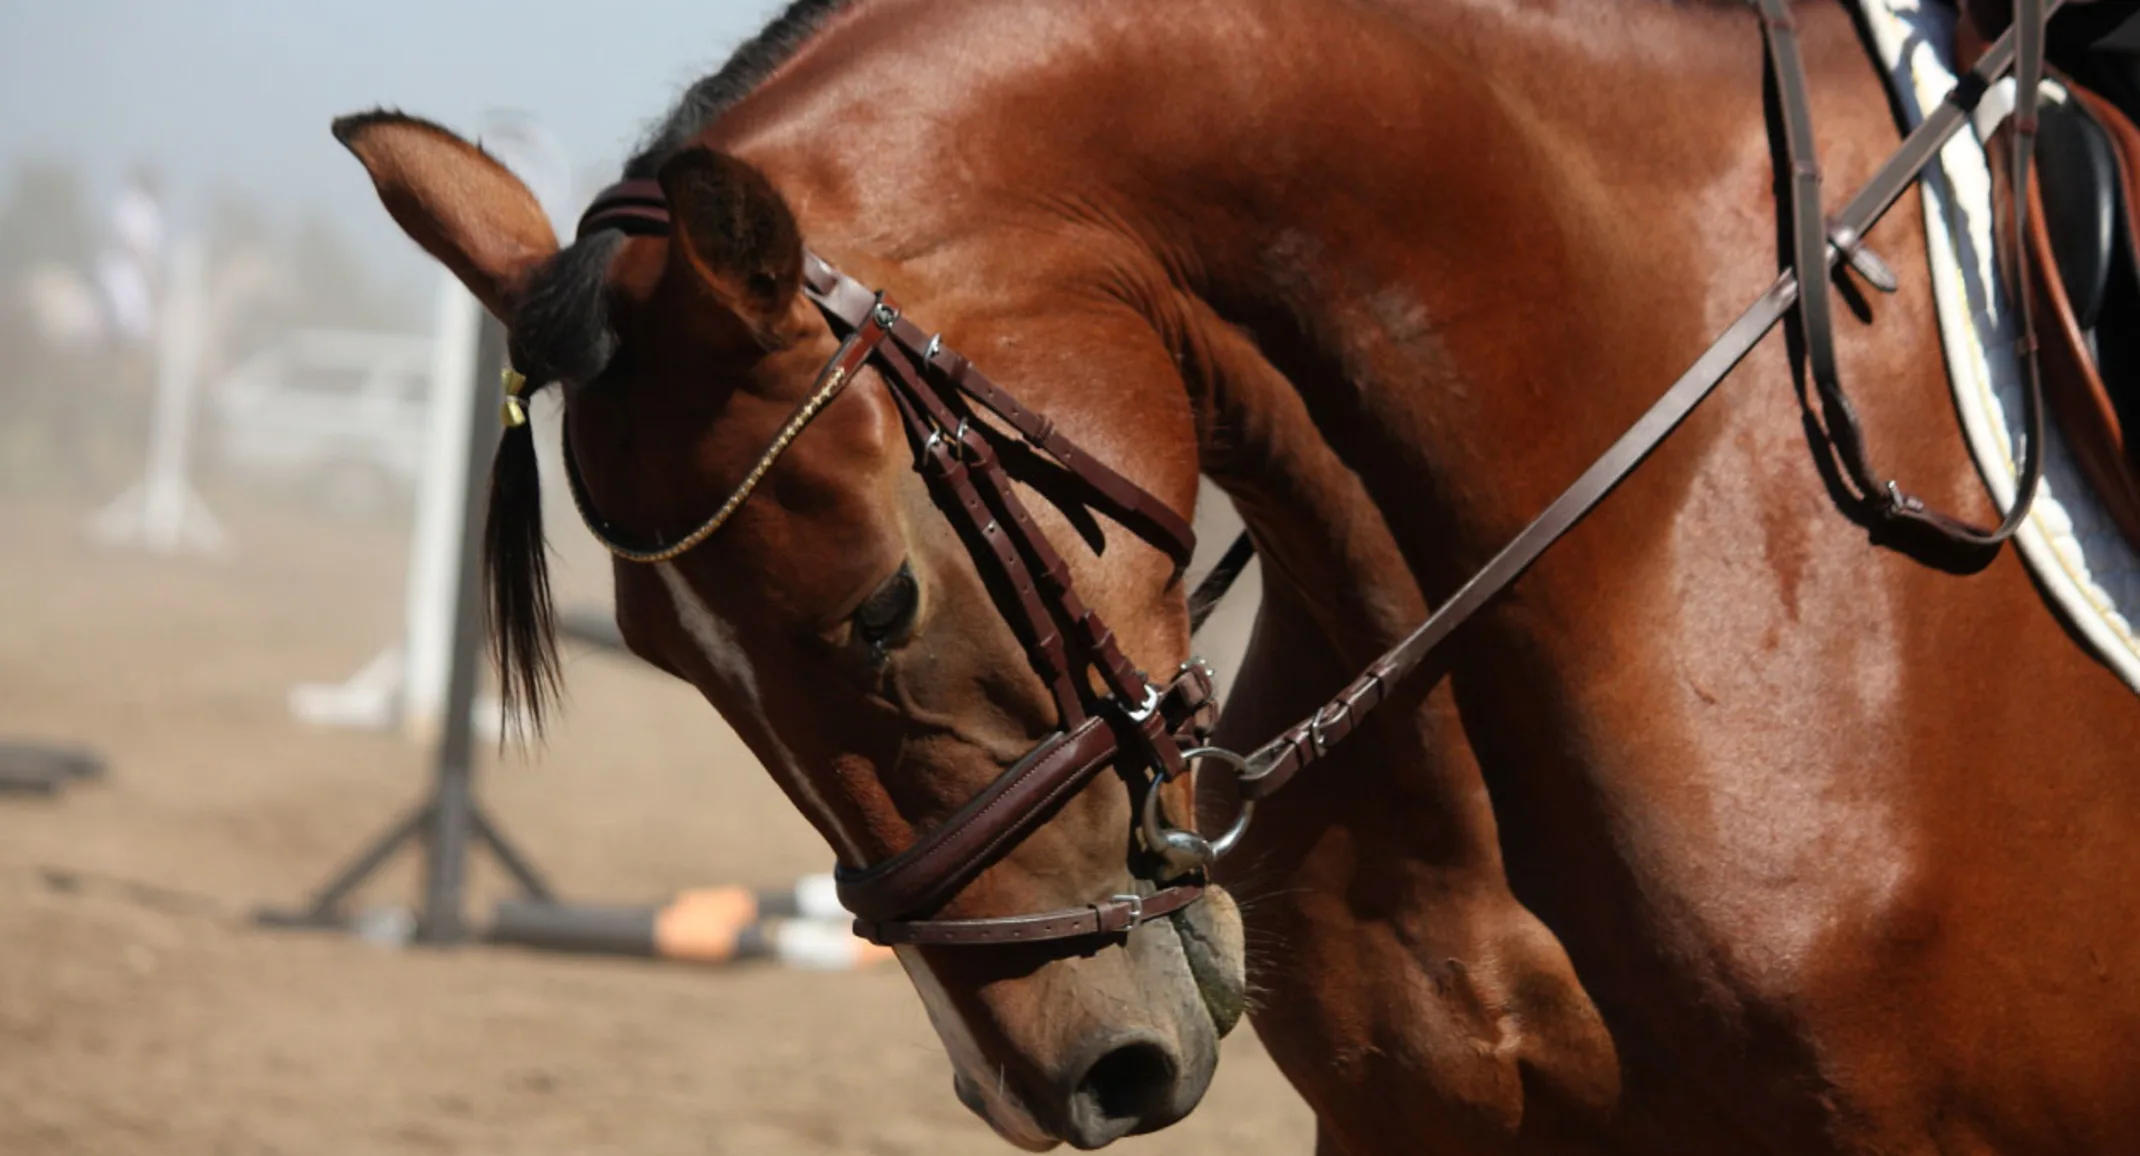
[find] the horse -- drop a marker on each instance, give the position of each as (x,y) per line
(1738,824)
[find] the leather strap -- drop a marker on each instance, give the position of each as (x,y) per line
(939,461)
(976,496)
(945,859)
(2072,382)
(1121,499)
(1272,765)
(1004,522)
(1116,916)
(639,207)
(1810,238)
(1212,590)
(635,207)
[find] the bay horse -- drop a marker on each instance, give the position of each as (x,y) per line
(1733,826)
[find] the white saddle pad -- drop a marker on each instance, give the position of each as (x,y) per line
(2069,542)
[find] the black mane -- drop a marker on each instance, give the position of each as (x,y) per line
(705,101)
(562,332)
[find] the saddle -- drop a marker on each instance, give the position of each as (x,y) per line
(2084,247)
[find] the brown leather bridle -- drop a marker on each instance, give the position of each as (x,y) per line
(1133,720)
(1163,729)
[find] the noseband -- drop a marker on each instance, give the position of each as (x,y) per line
(1163,728)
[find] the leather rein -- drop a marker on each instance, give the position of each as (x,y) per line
(1164,727)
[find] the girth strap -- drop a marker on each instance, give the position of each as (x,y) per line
(1272,765)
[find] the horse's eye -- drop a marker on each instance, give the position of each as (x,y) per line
(886,615)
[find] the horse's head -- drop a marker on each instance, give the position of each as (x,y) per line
(871,643)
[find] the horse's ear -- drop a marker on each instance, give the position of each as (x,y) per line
(736,233)
(456,201)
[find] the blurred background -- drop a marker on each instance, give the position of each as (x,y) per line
(228,390)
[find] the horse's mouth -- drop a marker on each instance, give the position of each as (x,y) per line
(1022,1132)
(1212,942)
(1210,935)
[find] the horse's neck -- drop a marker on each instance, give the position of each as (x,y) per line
(1431,218)
(1419,211)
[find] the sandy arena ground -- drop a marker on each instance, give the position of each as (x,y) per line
(140,1012)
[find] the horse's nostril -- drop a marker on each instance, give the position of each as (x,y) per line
(1121,1093)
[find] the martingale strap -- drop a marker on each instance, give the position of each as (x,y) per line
(1275,763)
(1809,237)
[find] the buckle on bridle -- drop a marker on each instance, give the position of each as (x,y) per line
(1136,908)
(1142,712)
(1330,714)
(957,441)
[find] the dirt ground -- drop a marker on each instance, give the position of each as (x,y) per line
(141,1012)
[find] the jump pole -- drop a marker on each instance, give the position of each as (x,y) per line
(801,926)
(449,815)
(162,512)
(406,682)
